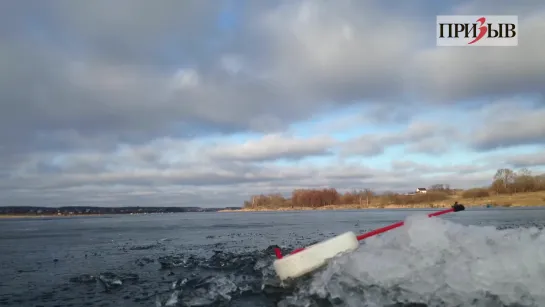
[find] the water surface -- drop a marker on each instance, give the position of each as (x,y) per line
(479,257)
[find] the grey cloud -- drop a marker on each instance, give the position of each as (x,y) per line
(98,76)
(508,125)
(411,168)
(450,74)
(87,85)
(405,165)
(334,53)
(274,147)
(527,160)
(132,32)
(168,171)
(122,196)
(365,146)
(499,7)
(352,172)
(219,188)
(380,114)
(419,137)
(434,145)
(217,176)
(183,162)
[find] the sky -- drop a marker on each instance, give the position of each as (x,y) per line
(206,102)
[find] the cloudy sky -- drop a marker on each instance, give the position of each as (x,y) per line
(136,102)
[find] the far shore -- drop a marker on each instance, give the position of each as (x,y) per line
(529,199)
(20,216)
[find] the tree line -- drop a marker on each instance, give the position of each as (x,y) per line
(505,181)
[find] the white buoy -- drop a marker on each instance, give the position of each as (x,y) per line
(313,257)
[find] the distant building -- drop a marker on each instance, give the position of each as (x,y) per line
(421,190)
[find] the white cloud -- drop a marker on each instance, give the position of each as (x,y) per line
(273,147)
(419,137)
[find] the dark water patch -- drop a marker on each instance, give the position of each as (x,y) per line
(144,261)
(84,279)
(224,279)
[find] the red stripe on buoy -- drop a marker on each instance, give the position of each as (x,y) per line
(396,225)
(455,208)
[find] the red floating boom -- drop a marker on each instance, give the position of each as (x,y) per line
(455,208)
(399,224)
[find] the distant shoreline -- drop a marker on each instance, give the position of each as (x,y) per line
(11,216)
(71,211)
(526,199)
(16,216)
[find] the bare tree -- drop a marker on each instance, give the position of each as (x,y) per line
(524,172)
(507,176)
(524,181)
(437,187)
(368,195)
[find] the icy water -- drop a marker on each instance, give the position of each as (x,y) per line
(478,257)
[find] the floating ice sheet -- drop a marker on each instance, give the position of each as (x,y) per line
(434,261)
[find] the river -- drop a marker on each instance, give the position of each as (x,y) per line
(477,257)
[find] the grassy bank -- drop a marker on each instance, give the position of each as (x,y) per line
(527,199)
